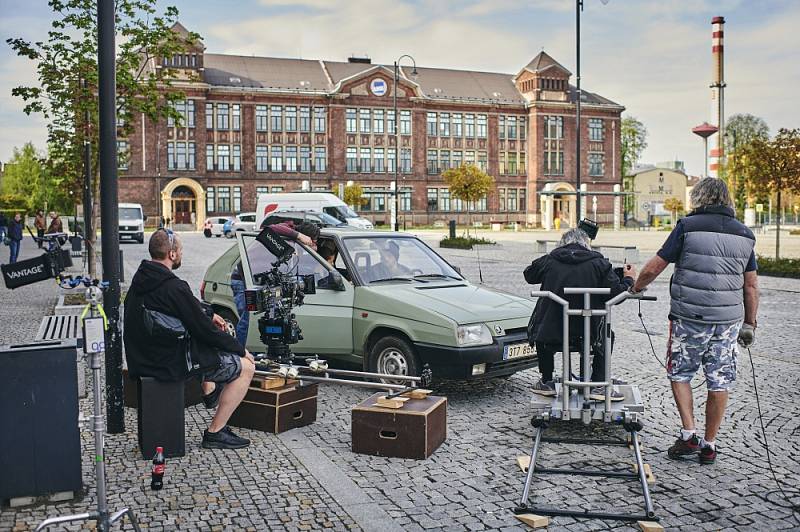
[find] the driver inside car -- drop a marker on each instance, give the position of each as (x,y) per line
(389,266)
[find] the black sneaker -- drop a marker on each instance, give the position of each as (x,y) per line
(708,455)
(683,447)
(211,400)
(224,439)
(548,389)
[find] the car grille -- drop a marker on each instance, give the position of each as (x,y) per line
(128,228)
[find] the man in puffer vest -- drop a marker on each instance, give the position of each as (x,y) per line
(714,301)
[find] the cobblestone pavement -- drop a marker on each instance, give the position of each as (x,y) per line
(308,478)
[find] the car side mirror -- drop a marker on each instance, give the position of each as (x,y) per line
(336,281)
(145,218)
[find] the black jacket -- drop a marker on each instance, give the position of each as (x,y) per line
(157,288)
(569,266)
(15,230)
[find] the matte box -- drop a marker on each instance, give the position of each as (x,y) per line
(414,431)
(278,409)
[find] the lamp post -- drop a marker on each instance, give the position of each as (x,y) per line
(397,137)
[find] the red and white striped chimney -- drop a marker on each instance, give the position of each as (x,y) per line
(717,141)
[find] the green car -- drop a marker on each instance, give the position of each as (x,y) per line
(389,304)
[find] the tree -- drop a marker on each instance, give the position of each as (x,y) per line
(469,184)
(740,130)
(66,65)
(674,206)
(773,166)
(23,178)
(354,195)
(633,141)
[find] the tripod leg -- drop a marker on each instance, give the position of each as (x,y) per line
(132,518)
(65,519)
(648,503)
(523,502)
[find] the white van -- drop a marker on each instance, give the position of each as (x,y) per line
(131,222)
(309,201)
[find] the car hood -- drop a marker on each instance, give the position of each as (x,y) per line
(459,301)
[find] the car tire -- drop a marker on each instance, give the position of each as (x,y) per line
(228,316)
(395,356)
(140,239)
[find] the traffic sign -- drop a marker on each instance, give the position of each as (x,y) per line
(759,207)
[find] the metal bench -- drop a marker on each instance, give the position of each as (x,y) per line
(67,327)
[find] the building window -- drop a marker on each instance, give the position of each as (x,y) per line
(378,161)
(262,159)
(432,124)
(305,119)
(364,160)
(405,160)
(180,155)
(320,162)
(351,121)
(433,199)
(223,157)
(433,161)
(512,199)
(481,126)
(512,163)
(122,154)
(363,120)
(596,129)
(522,129)
(405,199)
(190,157)
(209,116)
(236,117)
(444,160)
(511,124)
(458,159)
(482,160)
(469,157)
(305,159)
(501,199)
(554,163)
(458,129)
(261,190)
(501,127)
(377,121)
(479,206)
(171,164)
(352,160)
(224,199)
(554,127)
(501,163)
(469,126)
(522,205)
(291,158)
(276,118)
(222,116)
(390,123)
(237,199)
(290,114)
(405,122)
(444,199)
(391,160)
(444,124)
(277,190)
(237,158)
(596,164)
(276,159)
(319,120)
(522,163)
(210,199)
(209,157)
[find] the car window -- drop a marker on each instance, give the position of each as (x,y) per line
(382,257)
(301,263)
(248,218)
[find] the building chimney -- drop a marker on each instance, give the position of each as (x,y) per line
(717,141)
(357,59)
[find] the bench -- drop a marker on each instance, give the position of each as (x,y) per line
(55,328)
(546,246)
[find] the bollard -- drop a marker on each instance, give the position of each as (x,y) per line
(121,268)
(452,228)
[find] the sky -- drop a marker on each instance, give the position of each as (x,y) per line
(652,56)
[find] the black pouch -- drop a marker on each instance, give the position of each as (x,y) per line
(165,328)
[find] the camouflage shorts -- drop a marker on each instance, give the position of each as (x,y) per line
(691,344)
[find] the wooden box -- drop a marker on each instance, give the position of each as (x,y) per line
(278,409)
(413,431)
(193,393)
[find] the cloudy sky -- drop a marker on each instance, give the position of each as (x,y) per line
(652,56)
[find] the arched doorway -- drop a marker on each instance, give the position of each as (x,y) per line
(183,201)
(555,206)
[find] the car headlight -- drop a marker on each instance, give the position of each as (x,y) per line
(473,335)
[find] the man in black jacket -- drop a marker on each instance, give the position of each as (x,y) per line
(572,264)
(226,367)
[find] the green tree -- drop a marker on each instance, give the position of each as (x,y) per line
(23,178)
(740,130)
(66,92)
(354,196)
(773,166)
(633,141)
(469,184)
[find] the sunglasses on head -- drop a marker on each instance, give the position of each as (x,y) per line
(171,236)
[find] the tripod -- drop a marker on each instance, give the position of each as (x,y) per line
(94,346)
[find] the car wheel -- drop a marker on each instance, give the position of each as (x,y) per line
(230,319)
(393,356)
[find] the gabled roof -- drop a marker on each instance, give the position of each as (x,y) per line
(542,62)
(265,72)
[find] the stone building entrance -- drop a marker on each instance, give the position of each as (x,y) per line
(183,201)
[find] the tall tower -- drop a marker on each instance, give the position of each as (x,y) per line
(717,141)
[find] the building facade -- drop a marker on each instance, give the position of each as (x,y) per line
(253,125)
(653,186)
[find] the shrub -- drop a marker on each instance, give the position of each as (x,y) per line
(462,242)
(779,268)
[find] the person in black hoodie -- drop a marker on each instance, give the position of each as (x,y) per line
(226,367)
(572,264)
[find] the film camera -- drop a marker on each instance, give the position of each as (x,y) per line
(277,294)
(48,265)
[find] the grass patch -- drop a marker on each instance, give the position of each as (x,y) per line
(779,268)
(77,297)
(794,232)
(463,242)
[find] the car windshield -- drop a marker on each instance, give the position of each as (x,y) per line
(380,258)
(130,213)
(301,263)
(327,219)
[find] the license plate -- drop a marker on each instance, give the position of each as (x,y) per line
(520,350)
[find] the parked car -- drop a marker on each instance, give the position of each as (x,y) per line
(131,222)
(214,226)
(319,218)
(388,319)
(245,221)
(310,201)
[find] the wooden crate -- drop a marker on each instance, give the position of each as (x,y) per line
(278,409)
(413,431)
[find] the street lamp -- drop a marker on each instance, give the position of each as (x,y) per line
(578,9)
(414,74)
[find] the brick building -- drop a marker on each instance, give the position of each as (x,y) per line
(258,124)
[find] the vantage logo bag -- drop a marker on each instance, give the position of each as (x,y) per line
(27,271)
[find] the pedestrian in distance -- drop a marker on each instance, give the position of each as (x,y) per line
(40,224)
(15,237)
(3,226)
(225,367)
(713,305)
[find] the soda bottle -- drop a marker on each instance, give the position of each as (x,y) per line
(157,476)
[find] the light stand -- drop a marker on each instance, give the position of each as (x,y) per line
(397,137)
(94,346)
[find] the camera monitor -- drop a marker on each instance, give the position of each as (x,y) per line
(589,227)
